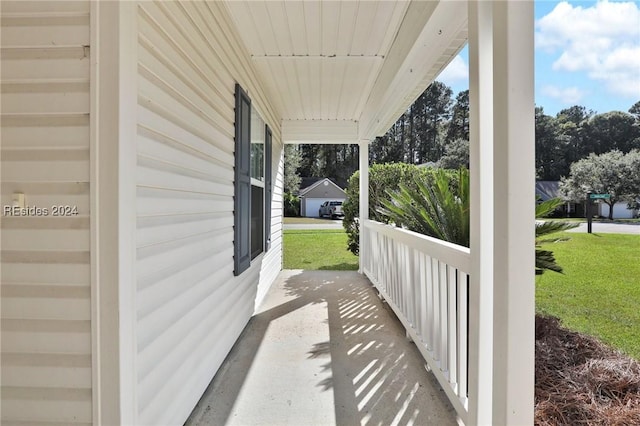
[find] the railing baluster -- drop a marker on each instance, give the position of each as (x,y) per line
(463,354)
(453,322)
(444,316)
(425,282)
(435,295)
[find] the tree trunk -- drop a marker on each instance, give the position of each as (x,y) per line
(610,204)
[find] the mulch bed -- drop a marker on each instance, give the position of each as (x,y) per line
(580,381)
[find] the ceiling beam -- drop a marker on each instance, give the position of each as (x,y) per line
(319,131)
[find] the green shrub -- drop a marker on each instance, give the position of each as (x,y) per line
(291,205)
(382,178)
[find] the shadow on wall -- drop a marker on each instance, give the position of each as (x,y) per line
(376,375)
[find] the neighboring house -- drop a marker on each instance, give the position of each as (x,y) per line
(548,189)
(621,210)
(316,193)
(159,128)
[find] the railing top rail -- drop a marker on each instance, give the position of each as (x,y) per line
(452,254)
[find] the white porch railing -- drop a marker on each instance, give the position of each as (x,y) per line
(426,283)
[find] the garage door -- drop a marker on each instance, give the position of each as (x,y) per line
(313,205)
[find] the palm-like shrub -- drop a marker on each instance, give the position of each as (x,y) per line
(439,210)
(545,260)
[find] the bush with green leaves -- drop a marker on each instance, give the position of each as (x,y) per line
(291,205)
(382,179)
(545,260)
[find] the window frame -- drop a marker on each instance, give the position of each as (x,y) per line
(244,182)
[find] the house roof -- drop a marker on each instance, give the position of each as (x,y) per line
(306,182)
(344,71)
(316,184)
(547,189)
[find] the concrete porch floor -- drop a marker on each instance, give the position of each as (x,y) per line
(323,350)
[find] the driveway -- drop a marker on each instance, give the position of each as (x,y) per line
(610,228)
(329,224)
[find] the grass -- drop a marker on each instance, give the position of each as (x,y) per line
(599,292)
(596,219)
(318,249)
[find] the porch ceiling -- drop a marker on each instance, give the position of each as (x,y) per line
(342,71)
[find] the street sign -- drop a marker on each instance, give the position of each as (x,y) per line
(599,196)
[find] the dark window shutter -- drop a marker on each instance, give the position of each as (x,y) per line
(242,198)
(268,190)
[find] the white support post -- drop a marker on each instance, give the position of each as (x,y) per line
(364,197)
(514,211)
(113,213)
(481,192)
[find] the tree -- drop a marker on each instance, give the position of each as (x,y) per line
(635,110)
(570,122)
(432,112)
(610,131)
(458,128)
(382,179)
(611,173)
(550,152)
(292,160)
(456,155)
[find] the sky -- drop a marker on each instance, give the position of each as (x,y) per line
(586,53)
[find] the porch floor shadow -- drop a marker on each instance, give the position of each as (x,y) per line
(323,350)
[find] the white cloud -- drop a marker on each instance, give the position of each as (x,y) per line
(602,40)
(456,71)
(566,95)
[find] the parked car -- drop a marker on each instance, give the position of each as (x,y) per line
(331,209)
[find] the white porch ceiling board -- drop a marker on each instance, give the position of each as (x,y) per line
(348,14)
(320,131)
(315,84)
(389,15)
(277,19)
(330,15)
(356,85)
(363,28)
(295,11)
(313,27)
(305,86)
(354,60)
(243,16)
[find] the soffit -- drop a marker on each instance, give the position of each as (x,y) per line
(327,62)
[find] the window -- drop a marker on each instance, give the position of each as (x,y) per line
(252,200)
(257,185)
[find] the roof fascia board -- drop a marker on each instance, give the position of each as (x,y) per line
(430,36)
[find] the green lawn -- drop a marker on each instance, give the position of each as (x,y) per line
(599,293)
(318,249)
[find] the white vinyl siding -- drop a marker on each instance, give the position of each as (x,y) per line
(190,307)
(46,306)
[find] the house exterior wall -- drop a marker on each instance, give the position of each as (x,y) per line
(620,210)
(46,261)
(190,307)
